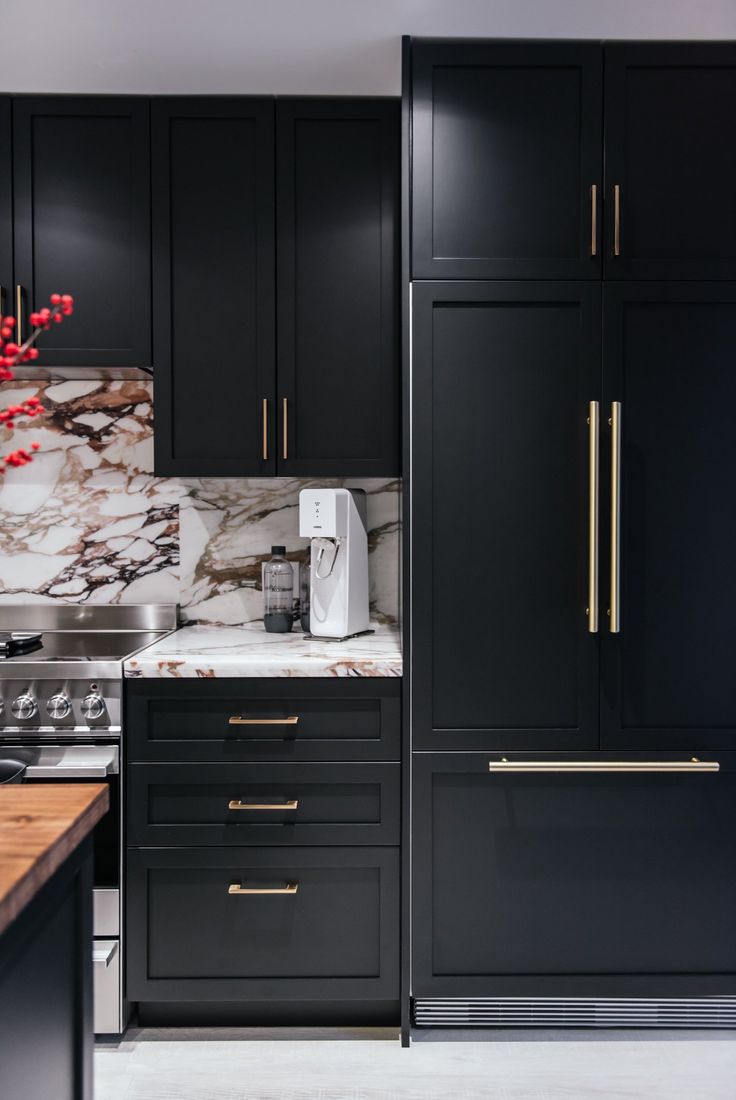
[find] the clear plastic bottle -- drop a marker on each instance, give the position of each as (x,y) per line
(278,592)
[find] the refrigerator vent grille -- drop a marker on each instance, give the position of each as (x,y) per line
(576,1012)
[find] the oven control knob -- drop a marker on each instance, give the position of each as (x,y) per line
(59,705)
(93,706)
(24,706)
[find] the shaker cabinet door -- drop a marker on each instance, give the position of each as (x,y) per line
(213,282)
(503,376)
(337,287)
(507,148)
(6,211)
(82,224)
(669,151)
(668,677)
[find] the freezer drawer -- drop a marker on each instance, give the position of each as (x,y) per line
(610,883)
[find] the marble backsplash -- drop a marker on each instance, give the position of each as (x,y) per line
(88,522)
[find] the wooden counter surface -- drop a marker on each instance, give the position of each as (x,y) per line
(41,824)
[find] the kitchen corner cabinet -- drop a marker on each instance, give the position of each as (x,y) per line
(6,211)
(276,222)
(81,194)
(213,286)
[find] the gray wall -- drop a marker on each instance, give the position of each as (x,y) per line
(330,47)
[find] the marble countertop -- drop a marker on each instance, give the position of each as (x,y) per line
(40,826)
(221,651)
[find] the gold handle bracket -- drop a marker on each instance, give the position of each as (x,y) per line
(616,219)
(614,610)
(18,314)
(694,765)
(593,513)
(239,720)
(264,429)
(238,888)
(285,427)
(236,804)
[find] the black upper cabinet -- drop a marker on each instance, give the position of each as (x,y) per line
(337,299)
(503,374)
(213,285)
(668,358)
(507,146)
(82,224)
(6,211)
(668,121)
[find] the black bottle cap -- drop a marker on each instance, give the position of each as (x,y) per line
(278,551)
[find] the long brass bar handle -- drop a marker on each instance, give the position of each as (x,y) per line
(238,720)
(615,608)
(264,429)
(237,888)
(236,804)
(693,765)
(593,219)
(616,219)
(285,427)
(593,510)
(18,314)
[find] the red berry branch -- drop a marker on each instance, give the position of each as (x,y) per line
(12,354)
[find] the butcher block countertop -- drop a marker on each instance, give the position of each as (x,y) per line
(41,825)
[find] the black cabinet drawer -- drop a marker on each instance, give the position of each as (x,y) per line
(569,884)
(257,803)
(307,719)
(326,930)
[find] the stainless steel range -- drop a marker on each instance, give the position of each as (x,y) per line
(61,719)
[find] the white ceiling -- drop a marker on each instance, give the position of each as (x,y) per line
(318,47)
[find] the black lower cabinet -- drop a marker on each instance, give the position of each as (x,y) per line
(260,935)
(46,1028)
(554,884)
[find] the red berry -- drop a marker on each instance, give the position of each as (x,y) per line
(33,353)
(67,300)
(55,299)
(8,322)
(6,331)
(35,446)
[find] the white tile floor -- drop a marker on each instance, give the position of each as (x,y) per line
(221,1064)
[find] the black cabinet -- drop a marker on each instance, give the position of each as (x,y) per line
(503,374)
(506,147)
(213,285)
(337,301)
(668,109)
(601,885)
(81,172)
(6,211)
(235,190)
(668,358)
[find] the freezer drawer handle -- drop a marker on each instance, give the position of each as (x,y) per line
(593,512)
(692,765)
(104,952)
(236,804)
(238,888)
(238,720)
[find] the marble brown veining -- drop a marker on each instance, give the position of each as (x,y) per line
(88,522)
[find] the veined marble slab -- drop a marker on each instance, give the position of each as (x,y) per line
(223,651)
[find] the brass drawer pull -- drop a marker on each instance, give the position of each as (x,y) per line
(693,765)
(614,610)
(616,219)
(593,219)
(593,510)
(264,429)
(18,314)
(236,804)
(237,888)
(238,720)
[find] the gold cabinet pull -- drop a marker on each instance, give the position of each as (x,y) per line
(238,720)
(593,508)
(616,220)
(593,219)
(285,426)
(18,314)
(236,804)
(615,608)
(692,765)
(237,888)
(264,429)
